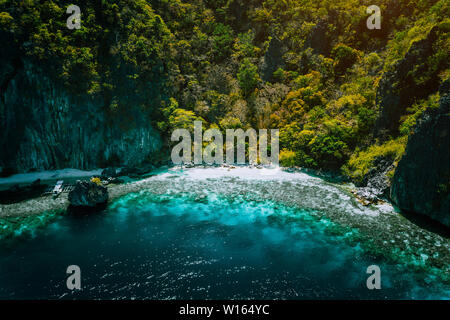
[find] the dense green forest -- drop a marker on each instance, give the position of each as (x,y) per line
(310,68)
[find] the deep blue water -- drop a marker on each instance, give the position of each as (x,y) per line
(177,247)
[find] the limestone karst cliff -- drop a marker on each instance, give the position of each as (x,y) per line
(422,180)
(46,127)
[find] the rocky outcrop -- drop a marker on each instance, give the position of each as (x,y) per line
(109,173)
(273,59)
(237,15)
(318,39)
(136,171)
(422,180)
(376,184)
(45,126)
(88,194)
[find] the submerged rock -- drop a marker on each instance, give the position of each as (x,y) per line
(88,194)
(422,180)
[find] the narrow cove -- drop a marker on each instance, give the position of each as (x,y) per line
(216,234)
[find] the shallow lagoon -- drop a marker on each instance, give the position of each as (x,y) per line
(178,236)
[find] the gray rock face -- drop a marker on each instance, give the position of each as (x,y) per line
(399,88)
(273,59)
(422,179)
(45,127)
(318,39)
(88,194)
(376,184)
(109,172)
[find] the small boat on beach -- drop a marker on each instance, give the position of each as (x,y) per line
(58,189)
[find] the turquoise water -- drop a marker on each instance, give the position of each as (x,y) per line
(147,246)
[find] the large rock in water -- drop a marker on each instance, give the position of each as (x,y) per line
(422,179)
(88,194)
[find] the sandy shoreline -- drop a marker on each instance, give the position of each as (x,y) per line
(49,177)
(46,203)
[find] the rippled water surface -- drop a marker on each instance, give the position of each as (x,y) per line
(180,246)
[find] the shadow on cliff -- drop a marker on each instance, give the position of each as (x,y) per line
(426,223)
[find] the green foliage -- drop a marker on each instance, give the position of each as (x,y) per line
(183,119)
(344,58)
(216,103)
(244,47)
(248,76)
(366,120)
(129,34)
(328,150)
(5,19)
(167,110)
(189,60)
(280,75)
(287,158)
(231,123)
(409,120)
(177,118)
(223,41)
(361,161)
(312,79)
